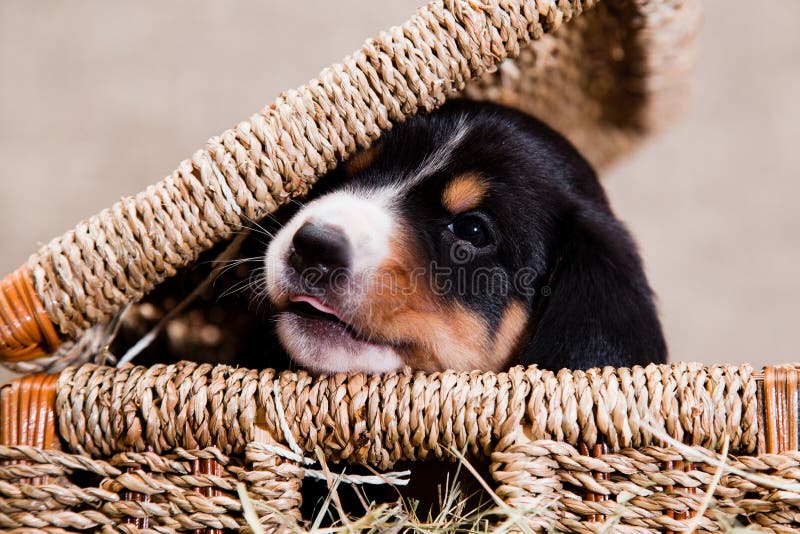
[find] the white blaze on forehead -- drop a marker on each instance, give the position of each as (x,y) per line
(437,160)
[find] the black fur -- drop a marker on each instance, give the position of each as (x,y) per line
(591,304)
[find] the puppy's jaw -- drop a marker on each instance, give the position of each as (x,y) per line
(368,223)
(327,348)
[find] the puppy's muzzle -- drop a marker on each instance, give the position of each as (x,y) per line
(319,252)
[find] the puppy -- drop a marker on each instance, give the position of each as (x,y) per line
(473,237)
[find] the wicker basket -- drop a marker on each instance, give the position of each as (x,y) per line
(181,447)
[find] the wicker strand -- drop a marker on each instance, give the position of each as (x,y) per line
(25,330)
(175,500)
(642,498)
(408,416)
(759,489)
(395,478)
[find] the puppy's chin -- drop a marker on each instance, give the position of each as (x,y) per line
(325,346)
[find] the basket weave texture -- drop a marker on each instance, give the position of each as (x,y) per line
(174,448)
(163,449)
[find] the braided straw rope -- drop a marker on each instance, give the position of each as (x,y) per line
(605,80)
(542,432)
(543,478)
(639,495)
(403,416)
(175,498)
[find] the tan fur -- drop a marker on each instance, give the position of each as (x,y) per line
(430,333)
(454,339)
(464,193)
(509,333)
(361,160)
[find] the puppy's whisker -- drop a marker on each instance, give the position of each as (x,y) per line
(256,226)
(236,288)
(261,301)
(246,230)
(370,330)
(232,264)
(236,260)
(270,217)
(252,281)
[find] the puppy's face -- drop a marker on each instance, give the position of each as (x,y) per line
(413,258)
(429,249)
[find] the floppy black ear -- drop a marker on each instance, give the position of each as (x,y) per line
(600,308)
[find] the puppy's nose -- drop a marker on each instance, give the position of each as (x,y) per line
(320,247)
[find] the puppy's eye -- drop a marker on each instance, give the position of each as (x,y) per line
(470,228)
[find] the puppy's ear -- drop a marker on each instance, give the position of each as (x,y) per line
(598,308)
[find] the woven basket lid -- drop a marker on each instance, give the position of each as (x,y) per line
(605,74)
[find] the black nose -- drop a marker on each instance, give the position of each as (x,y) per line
(321,249)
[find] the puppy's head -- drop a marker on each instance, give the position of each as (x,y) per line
(459,242)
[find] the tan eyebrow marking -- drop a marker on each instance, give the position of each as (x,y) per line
(361,160)
(464,193)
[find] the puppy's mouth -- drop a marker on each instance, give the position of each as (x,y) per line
(321,319)
(317,336)
(312,308)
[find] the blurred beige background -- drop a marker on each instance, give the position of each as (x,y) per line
(99,99)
